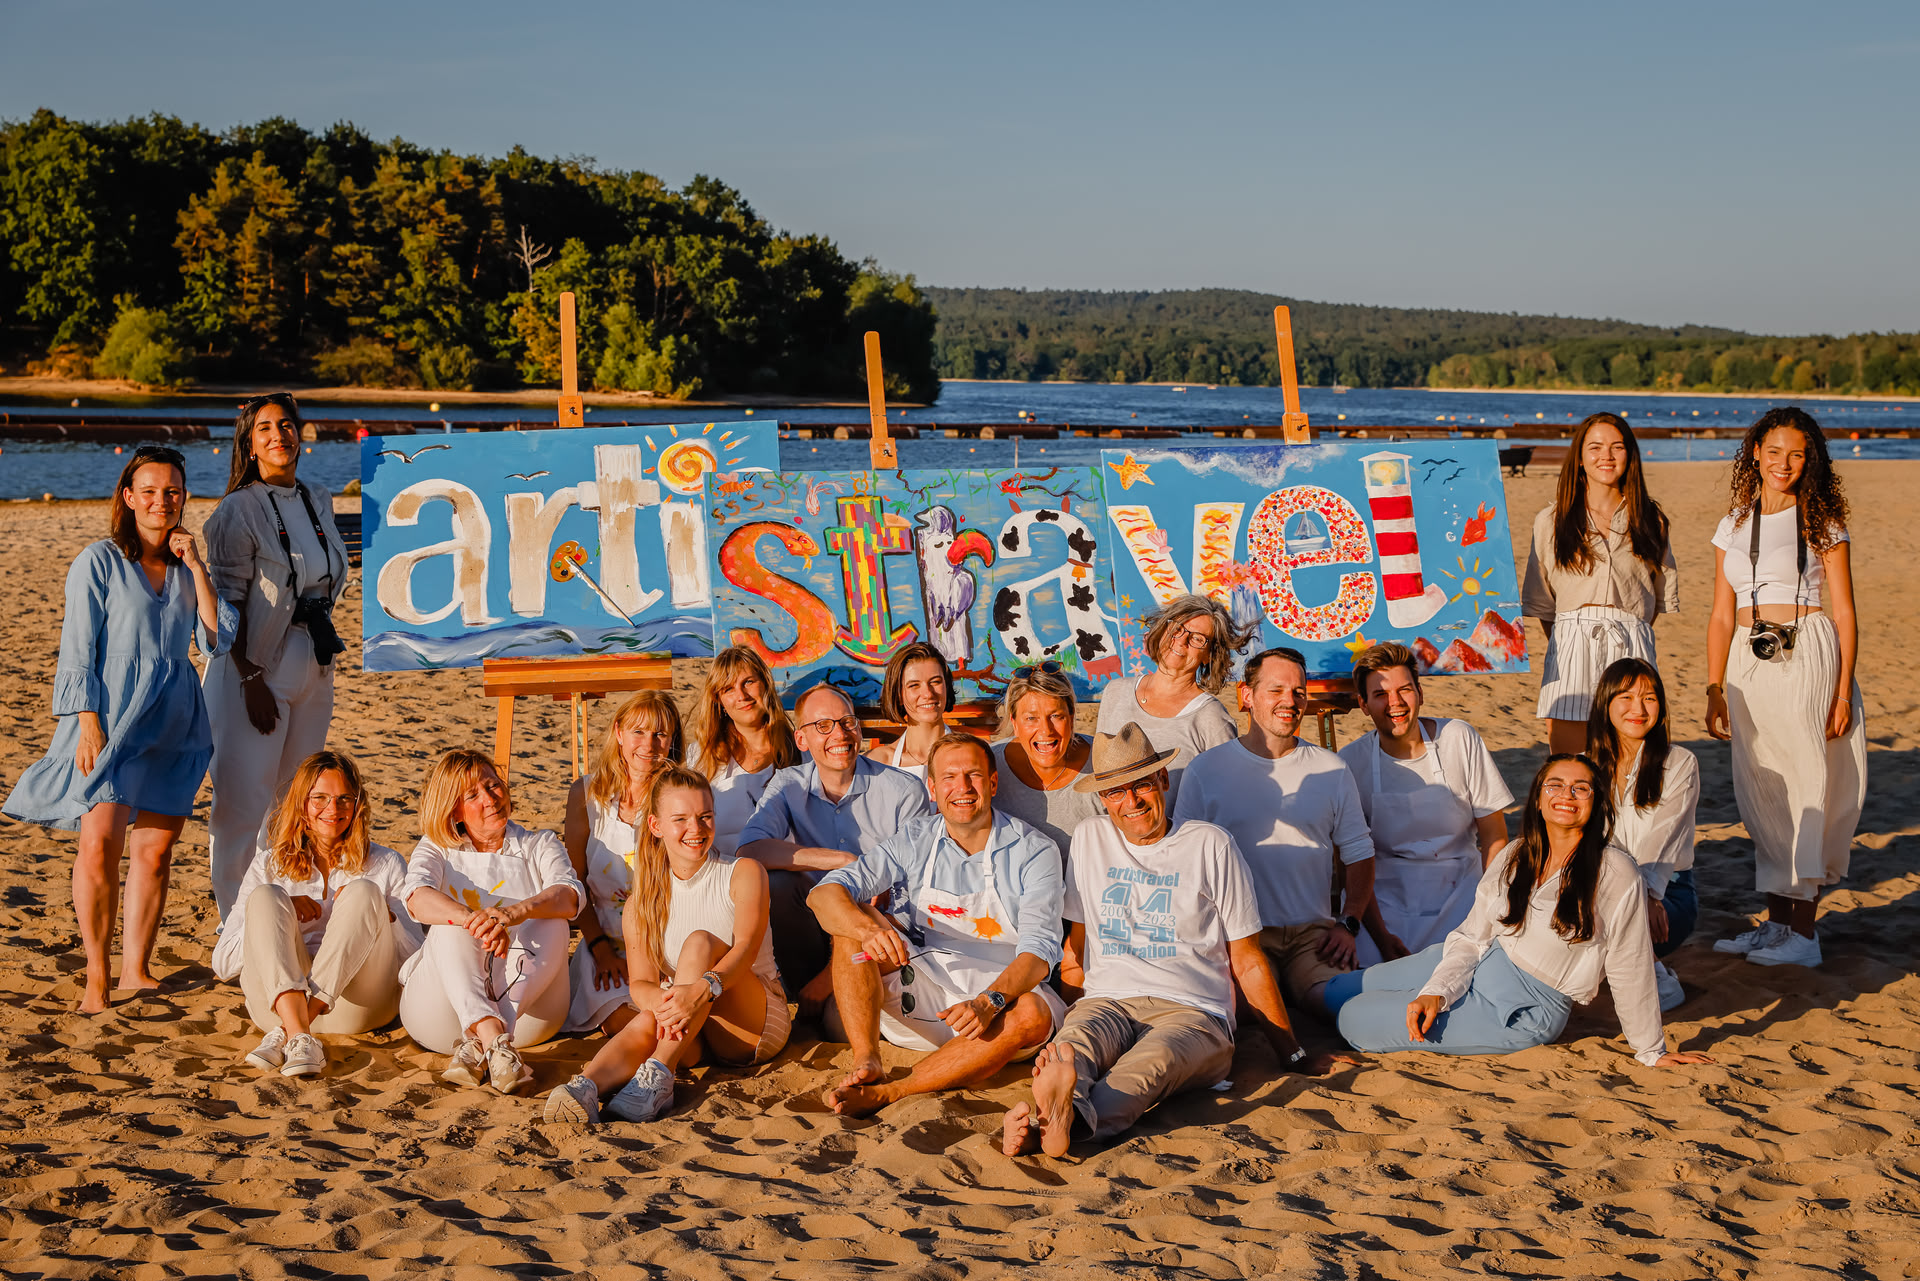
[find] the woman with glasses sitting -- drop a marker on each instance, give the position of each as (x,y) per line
(917,691)
(496,900)
(319,931)
(1557,911)
(1192,641)
(1044,758)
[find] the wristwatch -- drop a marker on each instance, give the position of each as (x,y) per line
(998,1000)
(714,986)
(1353,925)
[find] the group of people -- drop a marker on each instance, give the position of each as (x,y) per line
(1114,908)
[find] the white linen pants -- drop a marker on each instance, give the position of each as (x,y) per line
(249,767)
(446,988)
(356,969)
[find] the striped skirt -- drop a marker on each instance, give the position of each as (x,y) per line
(1799,792)
(1584,643)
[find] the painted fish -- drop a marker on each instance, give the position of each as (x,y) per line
(1477,527)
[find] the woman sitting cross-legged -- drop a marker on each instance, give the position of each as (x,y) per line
(700,965)
(496,899)
(1557,911)
(318,930)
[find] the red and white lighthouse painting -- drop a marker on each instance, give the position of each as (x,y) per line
(1411,600)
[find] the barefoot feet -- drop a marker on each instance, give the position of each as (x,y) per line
(856,1095)
(1048,1123)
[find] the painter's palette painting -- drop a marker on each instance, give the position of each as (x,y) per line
(540,543)
(1329,547)
(825,574)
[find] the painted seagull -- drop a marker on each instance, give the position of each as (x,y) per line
(948,590)
(407,458)
(521,475)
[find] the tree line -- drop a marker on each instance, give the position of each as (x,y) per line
(1225,336)
(160,251)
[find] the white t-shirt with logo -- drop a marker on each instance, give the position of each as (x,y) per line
(1159,917)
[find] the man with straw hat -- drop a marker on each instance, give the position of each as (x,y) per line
(1175,928)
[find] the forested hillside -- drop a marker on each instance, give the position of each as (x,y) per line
(159,251)
(1226,336)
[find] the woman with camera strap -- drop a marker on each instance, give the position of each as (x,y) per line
(276,556)
(1781,677)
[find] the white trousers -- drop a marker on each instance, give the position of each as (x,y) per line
(446,986)
(356,969)
(249,767)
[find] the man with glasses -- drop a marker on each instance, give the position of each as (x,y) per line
(817,816)
(1294,812)
(1162,927)
(960,969)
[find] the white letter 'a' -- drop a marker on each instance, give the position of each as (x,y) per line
(472,540)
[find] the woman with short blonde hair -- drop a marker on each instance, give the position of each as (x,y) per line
(1192,642)
(604,809)
(1042,757)
(318,932)
(495,899)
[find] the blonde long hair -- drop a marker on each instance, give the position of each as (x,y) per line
(608,782)
(652,890)
(294,856)
(713,732)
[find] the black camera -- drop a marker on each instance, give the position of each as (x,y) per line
(315,613)
(1769,640)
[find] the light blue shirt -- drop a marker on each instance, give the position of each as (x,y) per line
(1026,874)
(878,803)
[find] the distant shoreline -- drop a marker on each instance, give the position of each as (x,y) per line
(108,390)
(1492,391)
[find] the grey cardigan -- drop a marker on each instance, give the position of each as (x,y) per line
(250,569)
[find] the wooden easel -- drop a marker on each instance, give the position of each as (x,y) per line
(882,453)
(575,680)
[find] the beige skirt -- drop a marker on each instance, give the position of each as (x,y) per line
(1799,793)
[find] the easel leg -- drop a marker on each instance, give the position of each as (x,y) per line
(575,744)
(503,736)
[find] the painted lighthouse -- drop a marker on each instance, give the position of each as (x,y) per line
(1411,600)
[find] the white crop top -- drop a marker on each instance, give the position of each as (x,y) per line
(1779,569)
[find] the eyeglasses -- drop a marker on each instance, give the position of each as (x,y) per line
(1050,667)
(1121,790)
(1578,791)
(1187,638)
(825,727)
(520,971)
(317,801)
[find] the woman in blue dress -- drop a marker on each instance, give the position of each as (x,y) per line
(131,742)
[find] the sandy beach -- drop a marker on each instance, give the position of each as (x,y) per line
(139,1146)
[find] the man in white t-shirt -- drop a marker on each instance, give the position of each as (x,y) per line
(1434,800)
(1175,928)
(1295,814)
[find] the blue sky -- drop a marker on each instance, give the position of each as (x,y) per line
(1752,165)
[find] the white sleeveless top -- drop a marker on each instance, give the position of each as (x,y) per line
(899,748)
(610,847)
(705,902)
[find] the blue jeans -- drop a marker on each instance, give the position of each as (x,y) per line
(1505,1009)
(1683,910)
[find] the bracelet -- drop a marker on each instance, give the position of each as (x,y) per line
(1716,688)
(258,672)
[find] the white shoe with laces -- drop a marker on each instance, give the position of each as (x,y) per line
(1795,949)
(1668,984)
(469,1064)
(578,1102)
(271,1052)
(646,1096)
(1763,935)
(507,1072)
(305,1056)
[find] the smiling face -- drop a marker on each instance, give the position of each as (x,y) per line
(1635,710)
(828,731)
(963,785)
(156,493)
(1139,808)
(1044,729)
(646,743)
(1781,457)
(745,700)
(329,807)
(1276,697)
(1566,795)
(483,809)
(1186,645)
(274,439)
(682,821)
(923,691)
(1603,455)
(1393,701)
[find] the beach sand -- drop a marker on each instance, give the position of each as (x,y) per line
(138,1145)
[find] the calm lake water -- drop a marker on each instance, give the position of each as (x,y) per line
(76,470)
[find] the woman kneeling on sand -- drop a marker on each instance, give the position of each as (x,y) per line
(699,963)
(1557,911)
(318,931)
(495,899)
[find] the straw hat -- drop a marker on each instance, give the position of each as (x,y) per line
(1122,758)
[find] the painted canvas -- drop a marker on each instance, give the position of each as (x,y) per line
(539,543)
(827,573)
(1330,548)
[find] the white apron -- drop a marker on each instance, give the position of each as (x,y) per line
(1426,862)
(610,849)
(969,943)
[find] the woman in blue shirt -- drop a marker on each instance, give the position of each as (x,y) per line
(131,741)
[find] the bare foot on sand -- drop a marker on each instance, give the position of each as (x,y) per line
(96,995)
(1018,1135)
(852,1097)
(1054,1078)
(138,983)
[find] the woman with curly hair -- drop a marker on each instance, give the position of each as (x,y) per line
(1780,677)
(604,812)
(740,736)
(1599,571)
(1192,641)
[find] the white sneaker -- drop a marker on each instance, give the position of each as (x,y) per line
(577,1101)
(646,1096)
(506,1071)
(1765,934)
(271,1052)
(1795,949)
(469,1064)
(1668,984)
(305,1056)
